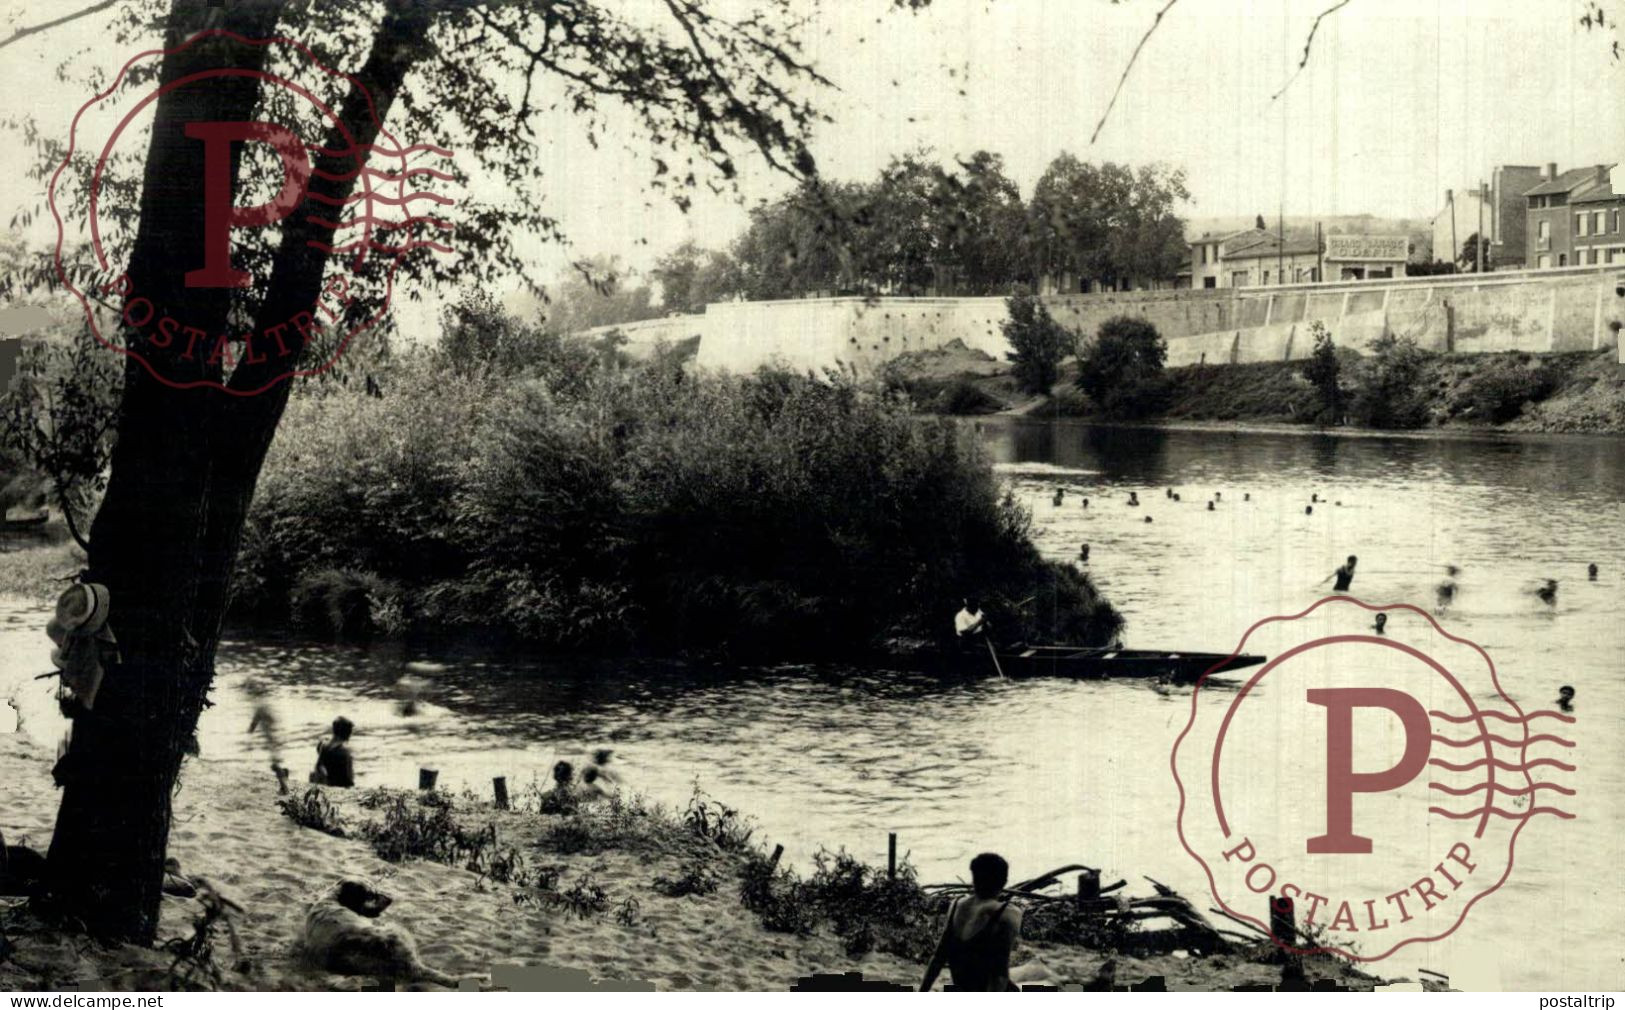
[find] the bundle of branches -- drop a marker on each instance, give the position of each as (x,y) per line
(1104,920)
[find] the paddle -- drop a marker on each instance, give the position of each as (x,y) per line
(995,656)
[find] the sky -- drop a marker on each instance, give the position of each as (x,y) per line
(1400,100)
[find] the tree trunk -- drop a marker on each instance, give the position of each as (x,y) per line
(183,473)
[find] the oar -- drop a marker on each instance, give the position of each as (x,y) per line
(989,643)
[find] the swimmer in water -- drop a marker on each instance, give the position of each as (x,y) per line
(1247,496)
(1565,698)
(1382,624)
(1147,518)
(1344,575)
(1308,510)
(1591,571)
(1444,594)
(1548,593)
(1134,497)
(1218,496)
(1083,554)
(1059,494)
(1086,503)
(1210,506)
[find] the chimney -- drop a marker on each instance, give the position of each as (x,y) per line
(1551,171)
(1602,174)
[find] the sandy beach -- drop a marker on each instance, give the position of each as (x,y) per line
(228,828)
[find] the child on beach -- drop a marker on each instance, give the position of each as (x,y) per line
(334,764)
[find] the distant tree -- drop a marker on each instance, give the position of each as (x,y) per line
(1107,223)
(902,226)
(1039,342)
(1121,370)
(1324,373)
(983,225)
(1389,394)
(1469,254)
(58,420)
(801,244)
(599,293)
(691,278)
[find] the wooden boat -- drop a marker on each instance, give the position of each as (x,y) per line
(1070,661)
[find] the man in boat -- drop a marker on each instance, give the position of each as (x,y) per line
(980,933)
(970,624)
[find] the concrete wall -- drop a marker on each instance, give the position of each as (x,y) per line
(1535,311)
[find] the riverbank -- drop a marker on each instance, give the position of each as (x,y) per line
(1561,393)
(560,901)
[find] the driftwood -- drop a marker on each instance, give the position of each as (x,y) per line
(1167,904)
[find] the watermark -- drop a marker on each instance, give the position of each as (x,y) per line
(310,183)
(1361,776)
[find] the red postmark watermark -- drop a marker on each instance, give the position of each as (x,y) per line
(354,207)
(1377,776)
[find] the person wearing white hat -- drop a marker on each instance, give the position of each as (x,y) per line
(85,645)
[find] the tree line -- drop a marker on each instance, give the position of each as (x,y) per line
(925,227)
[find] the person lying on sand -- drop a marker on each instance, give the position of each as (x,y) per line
(979,934)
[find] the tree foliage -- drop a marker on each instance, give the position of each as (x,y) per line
(1324,372)
(1389,393)
(1108,223)
(1121,370)
(1039,342)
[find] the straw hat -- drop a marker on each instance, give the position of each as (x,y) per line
(79,629)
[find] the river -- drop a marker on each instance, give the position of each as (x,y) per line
(1052,772)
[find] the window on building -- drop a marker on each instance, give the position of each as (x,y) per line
(1599,222)
(1545,232)
(1210,282)
(1266,277)
(1543,261)
(1616,222)
(1579,224)
(1562,259)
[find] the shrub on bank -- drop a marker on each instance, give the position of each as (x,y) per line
(1121,370)
(1498,391)
(583,504)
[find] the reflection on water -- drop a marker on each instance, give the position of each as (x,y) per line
(1051,772)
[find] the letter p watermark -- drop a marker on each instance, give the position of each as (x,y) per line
(220,215)
(1342,781)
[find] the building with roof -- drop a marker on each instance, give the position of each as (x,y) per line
(1574,218)
(1258,257)
(1499,209)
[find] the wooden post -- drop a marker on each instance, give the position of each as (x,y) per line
(891,854)
(1088,886)
(499,786)
(1283,921)
(427,777)
(773,860)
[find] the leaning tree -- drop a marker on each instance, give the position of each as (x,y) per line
(698,90)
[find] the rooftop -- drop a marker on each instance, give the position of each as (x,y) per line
(1566,181)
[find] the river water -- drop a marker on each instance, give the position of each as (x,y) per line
(1054,772)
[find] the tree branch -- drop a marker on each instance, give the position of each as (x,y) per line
(1131,60)
(1304,61)
(23,33)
